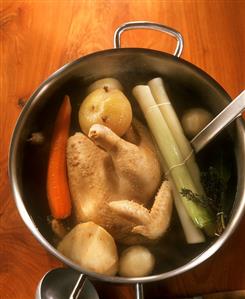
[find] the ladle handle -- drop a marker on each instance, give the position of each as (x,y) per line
(225,117)
(149,25)
(78,287)
(139,291)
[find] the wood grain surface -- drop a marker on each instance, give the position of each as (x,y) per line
(38,37)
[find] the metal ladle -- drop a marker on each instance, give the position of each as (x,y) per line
(223,119)
(66,283)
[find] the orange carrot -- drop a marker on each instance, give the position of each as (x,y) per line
(57,183)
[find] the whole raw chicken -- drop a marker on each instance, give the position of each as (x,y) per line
(116,183)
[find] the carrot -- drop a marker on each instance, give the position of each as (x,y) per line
(57,183)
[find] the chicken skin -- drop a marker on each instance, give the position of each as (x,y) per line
(116,183)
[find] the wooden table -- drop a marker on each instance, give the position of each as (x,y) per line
(38,37)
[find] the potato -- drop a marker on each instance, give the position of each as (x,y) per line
(194,120)
(110,108)
(92,247)
(136,261)
(108,83)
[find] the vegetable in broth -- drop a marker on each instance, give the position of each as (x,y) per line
(119,195)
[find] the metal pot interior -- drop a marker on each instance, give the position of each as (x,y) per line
(187,86)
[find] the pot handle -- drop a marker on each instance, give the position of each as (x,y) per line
(139,291)
(78,287)
(149,25)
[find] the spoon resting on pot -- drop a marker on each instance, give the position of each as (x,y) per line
(223,119)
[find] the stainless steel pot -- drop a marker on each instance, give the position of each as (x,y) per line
(187,84)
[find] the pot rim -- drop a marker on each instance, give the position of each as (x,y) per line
(28,219)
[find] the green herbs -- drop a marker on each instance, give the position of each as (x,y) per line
(209,204)
(215,181)
(202,200)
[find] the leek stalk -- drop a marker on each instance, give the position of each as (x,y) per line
(172,156)
(192,233)
(160,95)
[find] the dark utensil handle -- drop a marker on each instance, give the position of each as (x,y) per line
(149,25)
(78,287)
(139,291)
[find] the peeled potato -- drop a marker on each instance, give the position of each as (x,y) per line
(109,108)
(136,261)
(107,83)
(92,247)
(194,120)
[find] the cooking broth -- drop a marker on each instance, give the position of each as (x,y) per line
(171,251)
